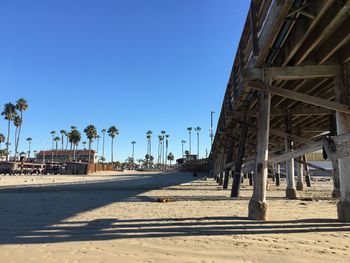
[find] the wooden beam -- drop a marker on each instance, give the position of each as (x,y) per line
(292,136)
(313,166)
(252,16)
(300,97)
(292,73)
(293,112)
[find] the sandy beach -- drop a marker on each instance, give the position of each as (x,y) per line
(114,218)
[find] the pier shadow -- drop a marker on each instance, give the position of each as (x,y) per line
(109,229)
(31,215)
(26,210)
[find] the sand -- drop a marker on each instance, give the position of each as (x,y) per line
(114,218)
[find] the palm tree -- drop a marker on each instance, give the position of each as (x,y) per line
(163,146)
(17,121)
(29,140)
(53,144)
(187,153)
(170,158)
(63,133)
(91,133)
(182,144)
(133,151)
(56,140)
(160,139)
(84,144)
(2,140)
(198,129)
(103,144)
(74,137)
(190,136)
(8,114)
(53,141)
(21,106)
(166,147)
(112,131)
(149,142)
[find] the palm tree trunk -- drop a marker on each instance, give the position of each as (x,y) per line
(8,140)
(112,150)
(163,153)
(197,145)
(67,141)
(103,145)
(71,148)
(16,131)
(98,140)
(62,141)
(89,150)
(29,149)
(150,147)
(19,133)
(74,149)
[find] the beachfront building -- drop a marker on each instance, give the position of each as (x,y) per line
(67,155)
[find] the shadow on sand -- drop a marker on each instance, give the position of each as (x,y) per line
(21,224)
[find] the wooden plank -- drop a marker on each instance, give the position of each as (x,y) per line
(296,153)
(292,73)
(235,191)
(293,112)
(254,33)
(292,136)
(300,97)
(271,26)
(313,166)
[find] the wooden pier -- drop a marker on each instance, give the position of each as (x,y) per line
(288,94)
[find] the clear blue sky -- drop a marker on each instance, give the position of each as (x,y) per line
(136,64)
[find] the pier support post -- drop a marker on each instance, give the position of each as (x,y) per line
(226,179)
(278,174)
(335,162)
(342,94)
(250,176)
(237,176)
(291,192)
(300,175)
(258,204)
(307,172)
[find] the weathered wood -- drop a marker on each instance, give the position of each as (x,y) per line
(292,73)
(294,112)
(300,97)
(278,174)
(235,191)
(307,173)
(252,16)
(257,204)
(335,163)
(299,160)
(291,192)
(250,177)
(291,136)
(300,174)
(342,91)
(226,178)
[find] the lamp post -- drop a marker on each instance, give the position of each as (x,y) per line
(211,127)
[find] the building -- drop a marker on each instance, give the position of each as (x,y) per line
(67,155)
